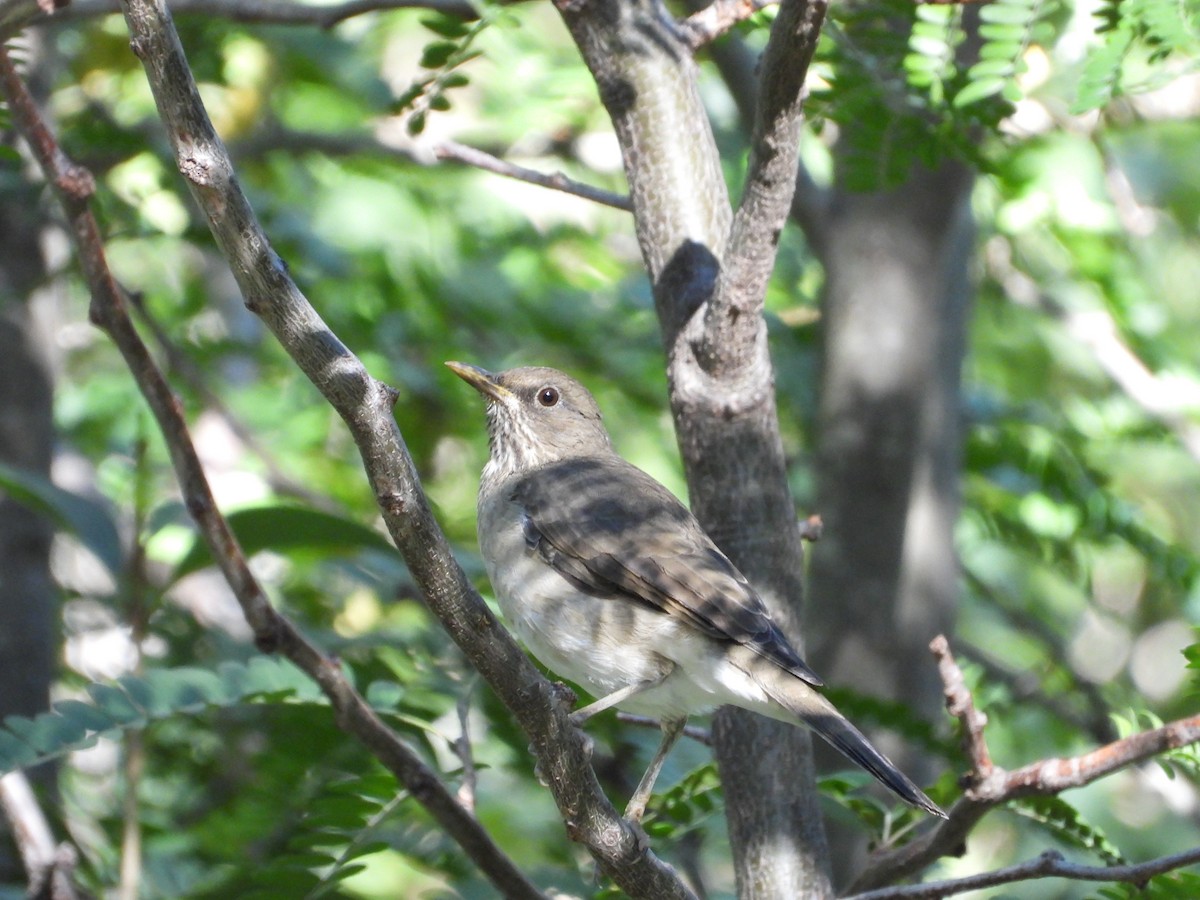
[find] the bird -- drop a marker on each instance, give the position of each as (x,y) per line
(612,583)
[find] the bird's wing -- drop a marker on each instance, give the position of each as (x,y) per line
(613,531)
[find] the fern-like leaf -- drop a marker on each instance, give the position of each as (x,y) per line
(686,805)
(134,702)
(1007,31)
(1066,824)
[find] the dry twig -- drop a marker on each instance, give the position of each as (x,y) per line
(988,785)
(1049,865)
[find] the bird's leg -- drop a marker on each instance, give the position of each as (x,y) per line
(618,696)
(671,729)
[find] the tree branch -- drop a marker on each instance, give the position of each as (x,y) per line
(988,785)
(366,406)
(1049,865)
(345,145)
(738,66)
(734,333)
(727,426)
(272,632)
(557,181)
(16,14)
(706,25)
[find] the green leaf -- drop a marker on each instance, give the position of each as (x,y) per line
(1102,71)
(436,55)
(47,731)
(85,519)
(1019,13)
(15,753)
(285,527)
(979,90)
(1065,822)
(115,704)
(992,68)
(132,702)
(446,26)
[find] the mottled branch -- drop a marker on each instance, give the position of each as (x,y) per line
(961,705)
(734,333)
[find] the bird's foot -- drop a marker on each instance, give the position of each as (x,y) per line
(634,818)
(589,743)
(537,768)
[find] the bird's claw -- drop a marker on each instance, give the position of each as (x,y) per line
(639,833)
(537,768)
(589,742)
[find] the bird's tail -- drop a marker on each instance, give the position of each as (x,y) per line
(836,729)
(802,701)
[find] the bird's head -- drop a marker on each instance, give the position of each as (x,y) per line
(536,416)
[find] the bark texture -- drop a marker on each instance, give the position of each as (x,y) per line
(709,265)
(884,576)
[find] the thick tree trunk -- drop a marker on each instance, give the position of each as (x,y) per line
(709,266)
(884,575)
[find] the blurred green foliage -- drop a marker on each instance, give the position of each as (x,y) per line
(1081,531)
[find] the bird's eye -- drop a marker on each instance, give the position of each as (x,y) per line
(548,396)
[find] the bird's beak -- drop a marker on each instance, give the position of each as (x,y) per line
(480,379)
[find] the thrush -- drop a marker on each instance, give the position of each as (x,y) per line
(612,583)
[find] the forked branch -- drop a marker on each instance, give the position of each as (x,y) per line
(988,786)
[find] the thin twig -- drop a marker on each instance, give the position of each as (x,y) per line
(133,748)
(812,528)
(988,785)
(182,365)
(695,732)
(961,705)
(273,632)
(276,138)
(462,749)
(1049,865)
(556,181)
(706,25)
(15,15)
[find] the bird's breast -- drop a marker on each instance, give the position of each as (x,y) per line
(601,643)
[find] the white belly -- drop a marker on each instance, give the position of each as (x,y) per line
(605,644)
